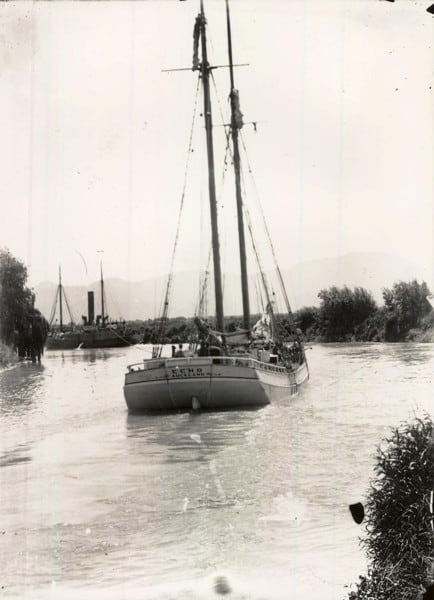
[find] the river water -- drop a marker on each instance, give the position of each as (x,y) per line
(96,503)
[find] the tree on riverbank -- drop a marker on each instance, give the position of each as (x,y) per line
(348,314)
(342,310)
(307,319)
(400,539)
(344,315)
(406,305)
(15,297)
(22,327)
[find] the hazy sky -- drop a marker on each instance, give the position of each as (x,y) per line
(94,135)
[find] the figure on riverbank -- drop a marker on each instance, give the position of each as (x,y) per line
(31,335)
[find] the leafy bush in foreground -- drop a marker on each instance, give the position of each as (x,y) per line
(399,542)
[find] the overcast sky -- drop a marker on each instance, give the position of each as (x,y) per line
(94,135)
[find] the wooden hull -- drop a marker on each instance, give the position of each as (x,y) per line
(208,383)
(106,338)
(68,341)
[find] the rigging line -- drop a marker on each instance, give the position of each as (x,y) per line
(199,311)
(256,253)
(120,336)
(206,296)
(265,283)
(267,231)
(71,316)
(227,151)
(112,302)
(268,289)
(54,306)
(250,227)
(259,297)
(199,300)
(227,135)
(165,306)
(255,250)
(204,286)
(226,129)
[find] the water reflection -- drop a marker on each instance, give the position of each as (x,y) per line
(82,355)
(186,437)
(18,454)
(410,354)
(402,352)
(20,387)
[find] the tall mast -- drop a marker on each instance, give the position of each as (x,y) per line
(205,71)
(236,124)
(102,296)
(60,299)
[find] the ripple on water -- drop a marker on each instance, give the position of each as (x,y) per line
(103,503)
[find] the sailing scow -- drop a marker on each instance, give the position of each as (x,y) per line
(222,367)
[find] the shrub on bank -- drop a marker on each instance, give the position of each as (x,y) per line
(407,305)
(342,310)
(400,540)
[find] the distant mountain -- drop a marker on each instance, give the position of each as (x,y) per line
(371,270)
(142,300)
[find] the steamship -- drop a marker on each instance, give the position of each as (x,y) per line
(99,331)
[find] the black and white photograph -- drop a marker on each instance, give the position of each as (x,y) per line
(216,300)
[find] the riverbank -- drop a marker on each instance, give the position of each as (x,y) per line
(419,335)
(181,329)
(399,539)
(376,330)
(412,336)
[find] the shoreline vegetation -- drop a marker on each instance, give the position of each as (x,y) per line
(344,315)
(399,535)
(352,315)
(16,303)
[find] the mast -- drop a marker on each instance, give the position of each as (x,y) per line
(60,299)
(236,124)
(102,296)
(205,71)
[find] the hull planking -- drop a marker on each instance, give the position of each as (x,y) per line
(208,383)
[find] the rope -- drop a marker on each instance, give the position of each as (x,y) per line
(68,307)
(110,300)
(165,307)
(246,211)
(265,284)
(267,231)
(259,298)
(120,336)
(201,307)
(53,308)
